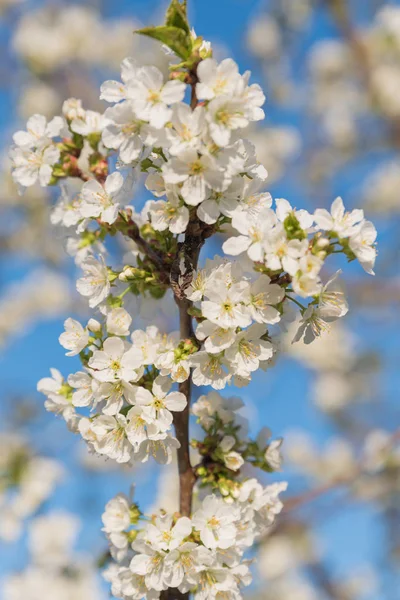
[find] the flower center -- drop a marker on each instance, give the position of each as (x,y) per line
(153,96)
(115,365)
(166,536)
(222,116)
(227,307)
(247,349)
(258,301)
(196,168)
(186,134)
(213,522)
(130,128)
(255,235)
(171,210)
(158,403)
(103,199)
(220,85)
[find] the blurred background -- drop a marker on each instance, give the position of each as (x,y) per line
(331,73)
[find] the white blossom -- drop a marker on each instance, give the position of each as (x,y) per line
(114,91)
(197,174)
(226,306)
(216,80)
(163,534)
(75,338)
(169,214)
(116,517)
(210,369)
(338,220)
(103,202)
(158,404)
(95,283)
(254,231)
(263,296)
(107,435)
(362,243)
(152,97)
(160,447)
(127,133)
(248,350)
(39,133)
(30,166)
(118,322)
(215,522)
(85,388)
(187,128)
(115,361)
(89,123)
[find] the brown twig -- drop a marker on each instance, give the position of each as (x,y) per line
(181,274)
(134,234)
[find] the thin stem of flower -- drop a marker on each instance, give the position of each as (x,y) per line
(122,294)
(296,302)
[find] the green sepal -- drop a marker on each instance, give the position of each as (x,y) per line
(347,251)
(146,164)
(193,311)
(114,301)
(292,228)
(175,38)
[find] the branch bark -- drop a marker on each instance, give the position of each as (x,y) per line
(134,234)
(181,274)
(187,478)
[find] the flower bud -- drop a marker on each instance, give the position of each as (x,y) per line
(72,109)
(233,461)
(127,274)
(322,242)
(223,488)
(227,443)
(94,326)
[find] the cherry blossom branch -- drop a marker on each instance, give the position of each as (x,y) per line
(208,179)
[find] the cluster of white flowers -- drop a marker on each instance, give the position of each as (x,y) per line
(135,406)
(279,239)
(235,310)
(203,176)
(54,570)
(226,446)
(202,554)
(26,482)
(35,152)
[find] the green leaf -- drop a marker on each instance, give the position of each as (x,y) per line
(176,16)
(175,38)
